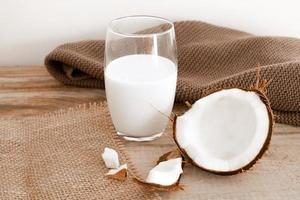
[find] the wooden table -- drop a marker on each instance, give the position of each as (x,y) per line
(26,91)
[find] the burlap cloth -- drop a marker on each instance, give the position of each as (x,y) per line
(58,156)
(208,57)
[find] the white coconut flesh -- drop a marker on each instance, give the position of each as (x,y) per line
(224,131)
(166,173)
(110,158)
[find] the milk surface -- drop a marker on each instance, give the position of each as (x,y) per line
(139,88)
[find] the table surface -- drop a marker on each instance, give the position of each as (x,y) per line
(30,90)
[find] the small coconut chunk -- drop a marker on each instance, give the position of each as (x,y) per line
(166,173)
(119,174)
(171,155)
(110,158)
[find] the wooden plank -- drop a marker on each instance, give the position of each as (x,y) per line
(30,90)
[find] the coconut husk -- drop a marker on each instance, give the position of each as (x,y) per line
(157,187)
(120,175)
(169,155)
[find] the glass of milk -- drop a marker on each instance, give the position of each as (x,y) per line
(140,75)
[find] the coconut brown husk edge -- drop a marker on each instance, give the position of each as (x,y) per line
(120,175)
(157,187)
(170,155)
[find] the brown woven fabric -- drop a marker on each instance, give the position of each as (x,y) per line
(208,57)
(58,156)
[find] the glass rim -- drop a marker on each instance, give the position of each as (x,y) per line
(124,34)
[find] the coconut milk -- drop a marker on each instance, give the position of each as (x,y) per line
(139,88)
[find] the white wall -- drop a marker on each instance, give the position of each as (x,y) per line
(29,29)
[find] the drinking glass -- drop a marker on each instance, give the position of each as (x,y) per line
(140,75)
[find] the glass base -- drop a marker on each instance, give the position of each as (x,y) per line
(140,139)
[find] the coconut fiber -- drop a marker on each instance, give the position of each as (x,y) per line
(209,57)
(58,156)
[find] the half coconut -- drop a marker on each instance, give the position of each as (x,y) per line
(225,132)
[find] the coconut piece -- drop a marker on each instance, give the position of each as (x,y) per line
(168,165)
(119,174)
(166,172)
(110,158)
(227,131)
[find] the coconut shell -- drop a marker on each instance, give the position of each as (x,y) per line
(259,89)
(120,175)
(170,155)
